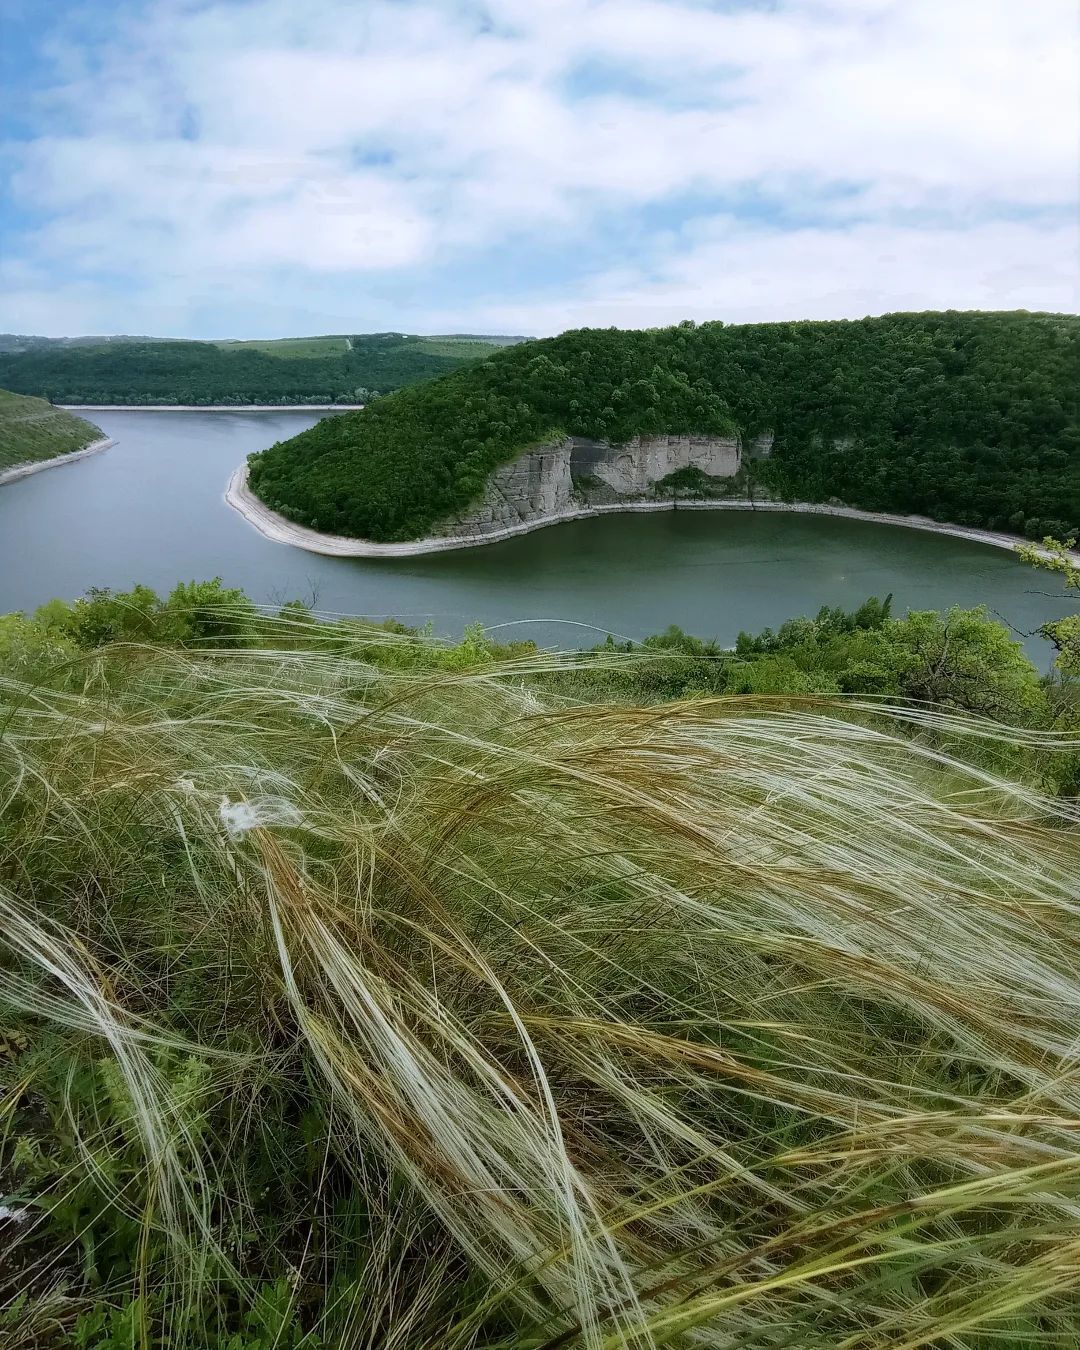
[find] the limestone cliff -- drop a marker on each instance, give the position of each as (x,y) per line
(575,473)
(536,484)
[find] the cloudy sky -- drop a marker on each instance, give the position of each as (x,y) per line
(265,167)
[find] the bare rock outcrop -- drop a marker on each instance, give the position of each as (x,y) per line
(633,468)
(536,484)
(574,473)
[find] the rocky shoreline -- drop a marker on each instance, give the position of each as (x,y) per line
(273,526)
(37,466)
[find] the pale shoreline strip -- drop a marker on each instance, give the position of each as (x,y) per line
(37,466)
(211,407)
(274,526)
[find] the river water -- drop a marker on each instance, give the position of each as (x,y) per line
(151,510)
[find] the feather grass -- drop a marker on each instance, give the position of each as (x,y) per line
(731,1022)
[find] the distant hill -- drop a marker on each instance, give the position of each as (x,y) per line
(143,371)
(495,339)
(32,430)
(23,342)
(969,418)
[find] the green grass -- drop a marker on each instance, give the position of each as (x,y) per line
(32,430)
(463,347)
(323,346)
(311,346)
(362,991)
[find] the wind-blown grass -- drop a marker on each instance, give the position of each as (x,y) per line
(352,1002)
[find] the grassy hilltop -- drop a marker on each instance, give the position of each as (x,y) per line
(970,418)
(358,990)
(32,430)
(145,371)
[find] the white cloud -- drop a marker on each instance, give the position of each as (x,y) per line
(259,143)
(744,276)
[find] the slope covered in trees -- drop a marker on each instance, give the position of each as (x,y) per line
(32,430)
(144,372)
(970,418)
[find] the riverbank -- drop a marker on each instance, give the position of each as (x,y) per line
(37,466)
(211,407)
(240,497)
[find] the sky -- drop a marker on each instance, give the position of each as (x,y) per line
(259,168)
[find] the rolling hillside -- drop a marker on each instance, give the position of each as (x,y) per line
(32,430)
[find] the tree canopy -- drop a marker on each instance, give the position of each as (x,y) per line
(966,417)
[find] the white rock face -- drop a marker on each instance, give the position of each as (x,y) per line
(539,482)
(633,468)
(534,485)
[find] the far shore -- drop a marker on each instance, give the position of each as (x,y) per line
(38,466)
(274,526)
(210,407)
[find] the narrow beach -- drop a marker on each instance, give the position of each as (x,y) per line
(37,466)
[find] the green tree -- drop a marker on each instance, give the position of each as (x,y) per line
(961,659)
(211,613)
(1057,556)
(104,616)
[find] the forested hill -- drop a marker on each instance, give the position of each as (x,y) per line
(966,417)
(32,430)
(143,372)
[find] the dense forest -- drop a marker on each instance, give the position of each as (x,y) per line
(966,417)
(32,430)
(361,990)
(319,370)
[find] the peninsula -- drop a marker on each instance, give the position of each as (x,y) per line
(963,422)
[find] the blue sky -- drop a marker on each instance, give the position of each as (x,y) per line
(261,167)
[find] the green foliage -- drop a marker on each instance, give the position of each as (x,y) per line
(194,612)
(1058,556)
(209,612)
(45,640)
(962,659)
(971,418)
(142,373)
(33,430)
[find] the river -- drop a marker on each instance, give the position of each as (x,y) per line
(151,510)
